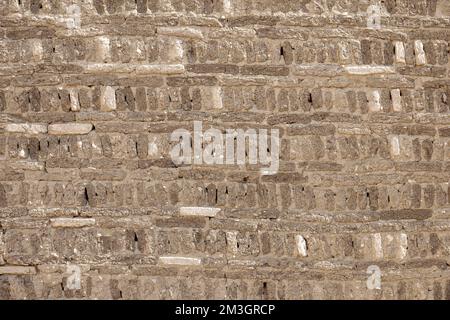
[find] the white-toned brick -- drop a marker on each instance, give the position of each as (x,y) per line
(400,56)
(72,222)
(17,270)
(180,260)
(421,59)
(28,128)
(70,128)
(108,99)
(182,32)
(199,211)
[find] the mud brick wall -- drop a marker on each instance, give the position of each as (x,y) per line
(87,108)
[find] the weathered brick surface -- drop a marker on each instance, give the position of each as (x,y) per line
(86,177)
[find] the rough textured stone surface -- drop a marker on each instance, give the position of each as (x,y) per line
(71,222)
(69,128)
(180,260)
(88,104)
(199,211)
(29,128)
(17,270)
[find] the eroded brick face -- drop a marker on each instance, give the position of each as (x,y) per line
(90,92)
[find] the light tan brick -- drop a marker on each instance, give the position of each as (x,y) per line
(70,128)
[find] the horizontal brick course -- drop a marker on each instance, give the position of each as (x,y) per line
(86,175)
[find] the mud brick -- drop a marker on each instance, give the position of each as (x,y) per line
(427,149)
(141,6)
(141,99)
(441,53)
(3,145)
(86,174)
(386,101)
(283,101)
(349,147)
(264,70)
(416,196)
(125,99)
(26,251)
(22,101)
(429,196)
(243,243)
(407,100)
(33,148)
(444,132)
(64,97)
(3,196)
(69,243)
(363,102)
(286,51)
(429,100)
(142,146)
(260,99)
(267,195)
(213,68)
(304,197)
(377,49)
(2,101)
(175,243)
(441,195)
(329,198)
(417,214)
(416,145)
(428,47)
(366,52)
(351,199)
(441,102)
(351,100)
(152,99)
(388,53)
(84,99)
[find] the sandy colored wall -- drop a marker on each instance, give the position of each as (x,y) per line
(92,204)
